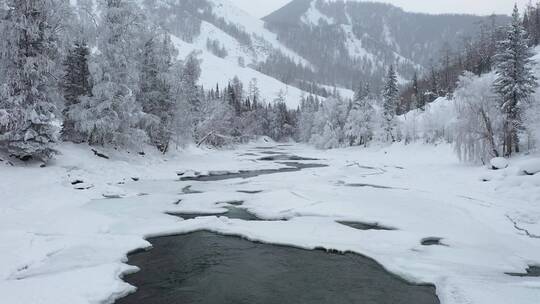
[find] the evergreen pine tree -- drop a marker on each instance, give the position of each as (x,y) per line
(31,93)
(112,115)
(189,79)
(76,84)
(390,102)
(417,98)
(155,89)
(516,81)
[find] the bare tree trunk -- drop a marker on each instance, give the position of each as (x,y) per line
(508,137)
(516,141)
(516,123)
(489,130)
(205,138)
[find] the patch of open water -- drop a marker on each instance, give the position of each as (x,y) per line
(292,167)
(205,267)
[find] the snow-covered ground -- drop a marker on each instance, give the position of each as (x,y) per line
(64,245)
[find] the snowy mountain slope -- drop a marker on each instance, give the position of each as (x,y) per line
(219,71)
(223,14)
(264,41)
(242,39)
(362,38)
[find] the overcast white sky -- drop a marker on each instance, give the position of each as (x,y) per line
(261,8)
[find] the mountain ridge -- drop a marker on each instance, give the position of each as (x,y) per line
(368,36)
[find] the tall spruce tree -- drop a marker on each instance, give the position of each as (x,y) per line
(390,102)
(516,81)
(112,114)
(31,93)
(155,88)
(417,97)
(189,79)
(77,83)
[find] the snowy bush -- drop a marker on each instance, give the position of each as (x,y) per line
(329,123)
(498,163)
(361,121)
(216,123)
(433,124)
(306,119)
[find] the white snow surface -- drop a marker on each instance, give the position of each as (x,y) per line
(63,245)
(499,163)
(531,167)
(313,16)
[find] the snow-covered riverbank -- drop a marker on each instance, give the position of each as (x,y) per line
(62,241)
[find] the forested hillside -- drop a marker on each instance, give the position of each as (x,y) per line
(348,40)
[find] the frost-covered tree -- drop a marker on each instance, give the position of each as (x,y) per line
(306,121)
(390,96)
(191,72)
(83,23)
(280,119)
(329,124)
(112,114)
(235,94)
(76,83)
(216,124)
(360,121)
(254,92)
(156,88)
(254,122)
(515,82)
(189,97)
(30,71)
(478,126)
(252,119)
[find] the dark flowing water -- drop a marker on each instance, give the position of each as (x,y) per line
(286,157)
(250,191)
(432,241)
(292,167)
(205,267)
(232,213)
(365,226)
(373,186)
